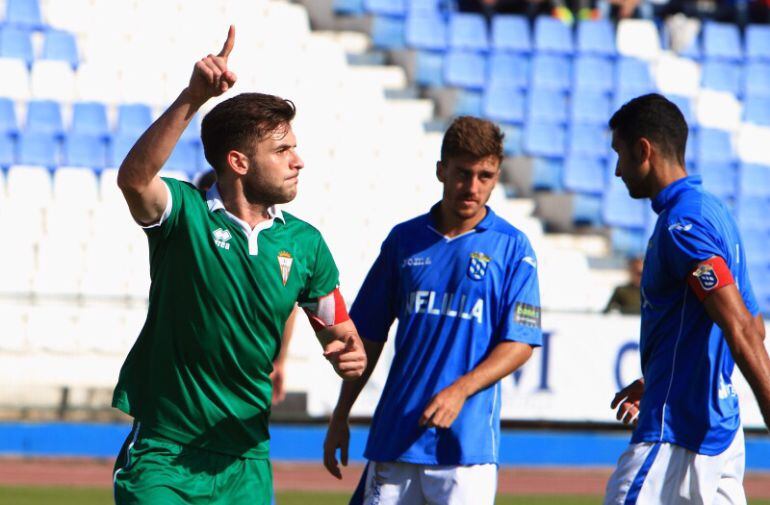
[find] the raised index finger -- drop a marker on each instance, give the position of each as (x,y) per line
(225,52)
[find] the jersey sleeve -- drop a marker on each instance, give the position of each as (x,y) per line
(374,309)
(687,242)
(324,277)
(177,191)
(520,318)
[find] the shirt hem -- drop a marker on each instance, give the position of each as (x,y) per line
(709,450)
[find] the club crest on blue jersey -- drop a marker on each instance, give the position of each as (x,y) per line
(477,266)
(707,277)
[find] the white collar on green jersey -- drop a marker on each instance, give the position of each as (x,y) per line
(214,201)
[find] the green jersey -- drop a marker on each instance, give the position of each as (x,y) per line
(220,295)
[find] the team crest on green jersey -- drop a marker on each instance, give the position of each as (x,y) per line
(284,261)
(477,267)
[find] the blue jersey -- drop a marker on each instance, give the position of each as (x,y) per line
(687,365)
(455,299)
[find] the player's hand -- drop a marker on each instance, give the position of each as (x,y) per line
(627,402)
(347,356)
(337,437)
(210,76)
(279,387)
(443,409)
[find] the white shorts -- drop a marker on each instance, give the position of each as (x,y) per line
(410,484)
(662,473)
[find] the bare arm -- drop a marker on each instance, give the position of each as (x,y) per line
(343,348)
(138,178)
(504,359)
(742,332)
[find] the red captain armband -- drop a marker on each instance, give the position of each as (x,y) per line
(708,276)
(327,311)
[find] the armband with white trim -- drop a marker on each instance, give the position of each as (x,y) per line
(328,310)
(708,276)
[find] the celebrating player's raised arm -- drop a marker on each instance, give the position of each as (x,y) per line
(138,178)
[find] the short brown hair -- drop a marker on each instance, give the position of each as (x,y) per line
(473,138)
(238,121)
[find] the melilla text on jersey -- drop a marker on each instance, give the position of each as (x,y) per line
(426,302)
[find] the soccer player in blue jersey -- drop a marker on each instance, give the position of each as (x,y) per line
(699,319)
(462,283)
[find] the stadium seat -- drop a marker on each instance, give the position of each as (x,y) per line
(8,122)
(426,31)
(16,264)
(75,188)
(429,68)
(118,147)
(513,142)
(685,106)
(752,212)
(23,13)
(756,109)
(133,119)
(53,80)
(619,209)
(15,78)
(44,116)
(547,106)
(719,178)
(504,102)
(638,38)
(691,149)
(715,109)
(754,180)
(553,36)
(468,31)
(465,69)
(757,79)
(590,107)
(29,186)
(94,82)
(633,75)
(14,326)
(596,37)
(677,76)
(594,73)
(551,72)
(37,149)
(7,152)
(758,43)
(184,158)
(589,140)
(547,174)
(587,209)
(511,33)
(722,41)
(349,7)
(468,103)
(388,32)
(61,46)
(16,43)
(423,6)
(714,146)
(508,70)
(85,150)
(544,139)
(585,174)
(629,242)
(386,7)
(721,75)
(89,118)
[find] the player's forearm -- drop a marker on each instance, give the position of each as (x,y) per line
(504,359)
(751,357)
(351,389)
(152,150)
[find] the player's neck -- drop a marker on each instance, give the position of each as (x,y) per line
(450,224)
(666,176)
(237,204)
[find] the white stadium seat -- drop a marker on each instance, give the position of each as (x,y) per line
(52,329)
(14,336)
(75,187)
(53,80)
(97,82)
(720,110)
(29,187)
(638,38)
(677,76)
(15,82)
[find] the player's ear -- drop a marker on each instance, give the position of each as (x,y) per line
(238,162)
(644,149)
(440,171)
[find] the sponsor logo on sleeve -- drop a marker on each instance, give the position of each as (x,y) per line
(526,315)
(707,277)
(477,266)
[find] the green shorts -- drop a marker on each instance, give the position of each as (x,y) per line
(151,469)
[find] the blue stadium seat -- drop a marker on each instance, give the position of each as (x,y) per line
(37,149)
(757,79)
(722,41)
(349,7)
(590,107)
(23,13)
(758,42)
(80,150)
(429,68)
(551,72)
(721,75)
(504,102)
(753,180)
(714,146)
(513,142)
(193,131)
(547,106)
(184,158)
(620,210)
(118,147)
(756,109)
(719,178)
(426,31)
(60,46)
(509,70)
(752,212)
(691,149)
(468,31)
(89,118)
(596,37)
(553,36)
(544,139)
(511,33)
(593,73)
(423,6)
(589,140)
(16,43)
(465,69)
(133,119)
(386,7)
(685,106)
(468,103)
(587,209)
(629,242)
(44,116)
(8,122)
(388,32)
(547,174)
(7,150)
(585,174)
(633,76)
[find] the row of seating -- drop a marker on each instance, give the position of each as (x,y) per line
(57,45)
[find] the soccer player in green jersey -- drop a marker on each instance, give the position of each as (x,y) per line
(227,268)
